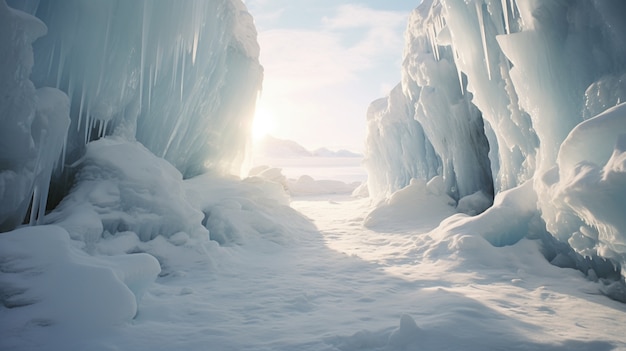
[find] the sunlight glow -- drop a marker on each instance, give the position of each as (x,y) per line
(263,124)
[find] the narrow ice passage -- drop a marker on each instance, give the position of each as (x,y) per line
(340,286)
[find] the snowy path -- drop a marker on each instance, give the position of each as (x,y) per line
(344,287)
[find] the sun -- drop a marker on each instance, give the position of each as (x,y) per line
(263,123)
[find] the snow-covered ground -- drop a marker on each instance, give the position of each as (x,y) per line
(147,244)
(322,281)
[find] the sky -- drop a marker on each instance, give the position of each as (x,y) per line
(325,61)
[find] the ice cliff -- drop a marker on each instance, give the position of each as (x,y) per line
(181,79)
(497,93)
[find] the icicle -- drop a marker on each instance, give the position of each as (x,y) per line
(512,8)
(70,86)
(150,85)
(431,39)
(100,128)
(182,78)
(505,13)
(195,47)
(82,103)
(51,60)
(437,54)
(144,40)
(87,124)
(35,206)
(481,25)
(43,200)
(61,65)
(63,152)
(458,70)
(105,50)
(175,63)
(158,63)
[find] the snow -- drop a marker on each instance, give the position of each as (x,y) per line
(495,169)
(328,284)
(48,282)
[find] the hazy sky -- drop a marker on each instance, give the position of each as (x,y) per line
(325,61)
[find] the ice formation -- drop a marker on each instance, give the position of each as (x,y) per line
(101,120)
(33,122)
(506,93)
(181,79)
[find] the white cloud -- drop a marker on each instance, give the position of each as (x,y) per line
(358,16)
(320,77)
(311,59)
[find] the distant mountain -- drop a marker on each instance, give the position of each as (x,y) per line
(270,146)
(324,152)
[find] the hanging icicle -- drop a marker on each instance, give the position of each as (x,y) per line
(483,36)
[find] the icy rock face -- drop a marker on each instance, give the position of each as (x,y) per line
(33,122)
(515,80)
(181,78)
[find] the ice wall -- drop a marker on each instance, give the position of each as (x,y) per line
(397,149)
(33,122)
(181,78)
(519,82)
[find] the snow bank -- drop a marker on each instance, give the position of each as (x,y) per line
(45,281)
(412,204)
(121,186)
(242,212)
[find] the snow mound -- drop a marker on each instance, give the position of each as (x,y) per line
(306,185)
(411,205)
(242,212)
(45,280)
(121,186)
(586,191)
(508,221)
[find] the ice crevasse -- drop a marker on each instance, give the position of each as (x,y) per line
(106,107)
(500,97)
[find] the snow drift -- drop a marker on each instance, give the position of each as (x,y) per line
(505,93)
